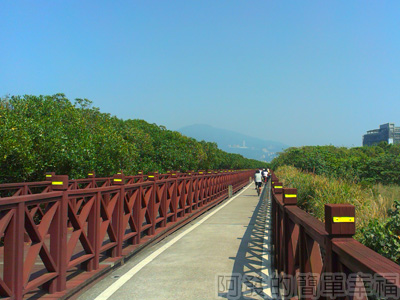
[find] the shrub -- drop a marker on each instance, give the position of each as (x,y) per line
(41,134)
(314,191)
(383,236)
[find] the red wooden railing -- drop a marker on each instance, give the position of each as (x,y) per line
(28,188)
(316,260)
(51,240)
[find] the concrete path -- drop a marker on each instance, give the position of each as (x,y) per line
(223,254)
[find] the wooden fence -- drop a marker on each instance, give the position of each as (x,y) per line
(316,260)
(59,234)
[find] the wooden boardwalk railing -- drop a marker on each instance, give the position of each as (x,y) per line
(28,188)
(316,260)
(56,240)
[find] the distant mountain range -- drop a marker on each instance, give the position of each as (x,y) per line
(234,142)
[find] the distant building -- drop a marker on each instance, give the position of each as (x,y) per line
(238,146)
(386,133)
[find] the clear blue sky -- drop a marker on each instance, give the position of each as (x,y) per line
(298,72)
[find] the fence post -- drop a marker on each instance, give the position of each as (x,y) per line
(176,197)
(93,234)
(230,191)
(92,175)
(151,205)
(140,173)
(195,192)
(118,214)
(164,205)
(137,213)
(191,193)
(339,223)
(277,187)
(14,252)
(277,191)
(50,175)
(60,183)
(289,198)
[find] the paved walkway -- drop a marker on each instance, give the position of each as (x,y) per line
(225,248)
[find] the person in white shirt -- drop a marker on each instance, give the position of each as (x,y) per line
(258,181)
(265,175)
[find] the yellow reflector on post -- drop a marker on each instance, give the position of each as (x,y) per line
(49,175)
(290,195)
(57,183)
(90,174)
(150,176)
(343,219)
(117,179)
(278,187)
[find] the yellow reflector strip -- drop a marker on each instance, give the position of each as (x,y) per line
(150,176)
(173,174)
(190,173)
(119,173)
(57,183)
(278,187)
(49,175)
(90,174)
(273,182)
(200,172)
(290,195)
(139,172)
(343,219)
(117,179)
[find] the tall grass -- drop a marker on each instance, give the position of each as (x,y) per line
(372,202)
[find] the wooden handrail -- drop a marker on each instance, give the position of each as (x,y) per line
(304,245)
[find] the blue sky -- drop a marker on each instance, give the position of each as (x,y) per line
(298,72)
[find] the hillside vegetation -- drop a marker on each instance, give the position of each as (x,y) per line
(377,206)
(375,164)
(367,177)
(49,133)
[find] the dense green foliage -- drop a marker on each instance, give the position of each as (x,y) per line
(377,206)
(49,133)
(383,236)
(314,191)
(367,177)
(375,164)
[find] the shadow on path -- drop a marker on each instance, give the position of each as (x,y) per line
(250,278)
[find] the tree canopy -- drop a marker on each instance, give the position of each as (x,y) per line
(369,164)
(41,134)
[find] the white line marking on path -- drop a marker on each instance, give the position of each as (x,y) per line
(128,275)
